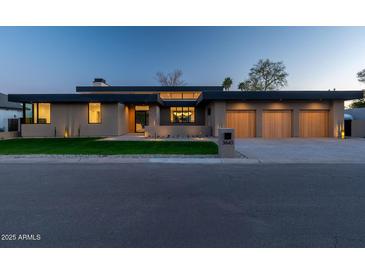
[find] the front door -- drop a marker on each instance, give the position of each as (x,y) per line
(141,120)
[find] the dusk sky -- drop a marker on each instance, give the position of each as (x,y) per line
(56,59)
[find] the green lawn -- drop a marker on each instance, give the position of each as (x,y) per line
(93,146)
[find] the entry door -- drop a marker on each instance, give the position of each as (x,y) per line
(277,124)
(141,118)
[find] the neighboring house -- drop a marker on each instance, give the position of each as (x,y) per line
(355,122)
(162,111)
(8,110)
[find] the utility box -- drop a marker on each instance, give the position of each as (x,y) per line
(226,142)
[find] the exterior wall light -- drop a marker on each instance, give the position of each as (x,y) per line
(66,133)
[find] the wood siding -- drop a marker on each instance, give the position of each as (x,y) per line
(244,123)
(131,122)
(313,123)
(277,124)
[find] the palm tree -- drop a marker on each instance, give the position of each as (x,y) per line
(242,86)
(227,83)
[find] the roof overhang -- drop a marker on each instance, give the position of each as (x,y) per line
(204,97)
(85,98)
(146,88)
(280,95)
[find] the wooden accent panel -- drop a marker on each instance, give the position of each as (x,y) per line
(243,121)
(277,124)
(131,119)
(313,123)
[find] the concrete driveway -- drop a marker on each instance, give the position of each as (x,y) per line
(297,150)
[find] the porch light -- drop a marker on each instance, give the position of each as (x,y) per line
(66,133)
(342,134)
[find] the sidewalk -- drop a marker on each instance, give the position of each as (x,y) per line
(161,159)
(84,159)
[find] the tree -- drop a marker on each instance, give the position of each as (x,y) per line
(361,76)
(170,79)
(266,75)
(227,83)
(245,85)
(361,102)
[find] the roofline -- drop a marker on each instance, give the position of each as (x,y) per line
(85,98)
(146,88)
(204,97)
(281,95)
(11,108)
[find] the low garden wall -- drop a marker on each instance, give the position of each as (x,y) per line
(178,131)
(8,135)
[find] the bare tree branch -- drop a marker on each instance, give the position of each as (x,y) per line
(171,79)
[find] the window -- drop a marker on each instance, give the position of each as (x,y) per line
(37,113)
(28,113)
(44,113)
(94,113)
(141,108)
(182,114)
(179,95)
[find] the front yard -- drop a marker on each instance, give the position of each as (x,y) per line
(93,146)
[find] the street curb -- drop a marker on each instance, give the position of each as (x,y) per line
(57,159)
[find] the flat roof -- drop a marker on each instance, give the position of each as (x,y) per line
(204,97)
(85,98)
(146,88)
(281,95)
(5,104)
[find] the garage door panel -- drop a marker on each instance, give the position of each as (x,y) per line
(277,124)
(244,123)
(313,123)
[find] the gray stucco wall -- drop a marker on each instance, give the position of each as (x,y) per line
(74,118)
(358,128)
(115,118)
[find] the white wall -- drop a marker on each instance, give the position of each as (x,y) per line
(6,114)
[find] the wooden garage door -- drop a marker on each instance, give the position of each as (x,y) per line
(277,124)
(313,123)
(244,123)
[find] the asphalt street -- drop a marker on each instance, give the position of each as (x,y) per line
(182,205)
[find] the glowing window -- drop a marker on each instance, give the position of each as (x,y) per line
(182,114)
(37,113)
(44,113)
(94,113)
(179,95)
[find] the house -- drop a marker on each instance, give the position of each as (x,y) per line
(163,111)
(9,110)
(355,122)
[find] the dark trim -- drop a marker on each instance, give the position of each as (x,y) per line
(209,96)
(146,88)
(88,113)
(11,108)
(181,103)
(280,95)
(86,98)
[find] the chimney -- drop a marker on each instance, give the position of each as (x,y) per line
(99,82)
